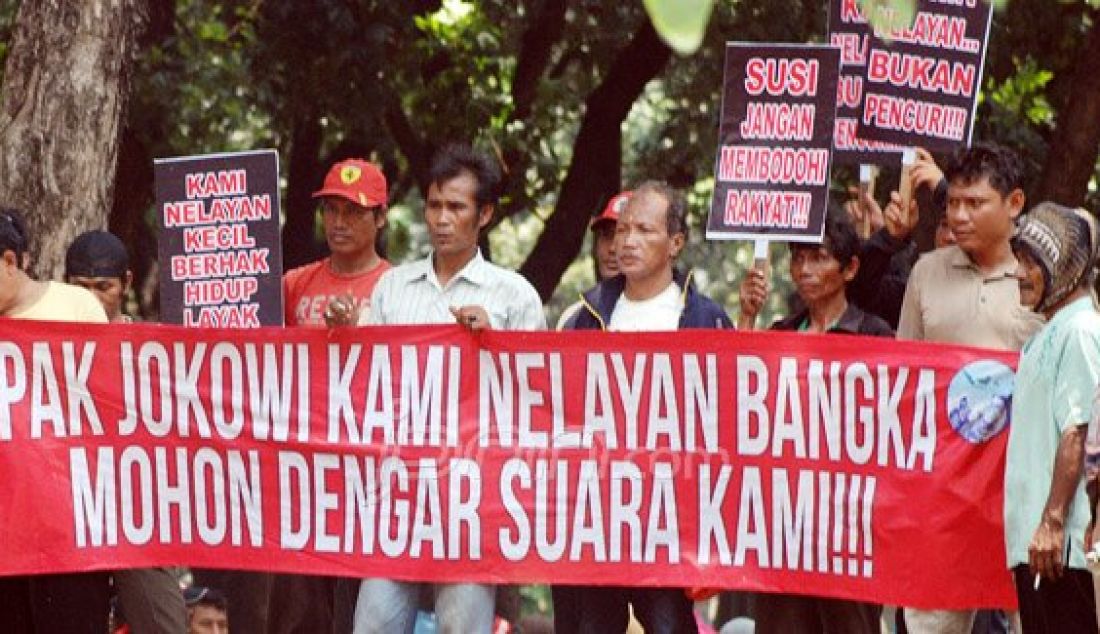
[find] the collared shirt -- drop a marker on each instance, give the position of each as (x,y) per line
(948,299)
(411,294)
(852,321)
(1058,373)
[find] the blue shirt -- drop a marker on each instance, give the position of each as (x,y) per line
(1058,374)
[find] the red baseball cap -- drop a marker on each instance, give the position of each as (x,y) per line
(614,207)
(356,180)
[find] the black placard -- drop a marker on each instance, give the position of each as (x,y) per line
(921,83)
(221,261)
(774,142)
(848,30)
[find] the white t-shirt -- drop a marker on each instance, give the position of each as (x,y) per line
(660,312)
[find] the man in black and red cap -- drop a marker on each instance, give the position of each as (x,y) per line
(603,247)
(335,291)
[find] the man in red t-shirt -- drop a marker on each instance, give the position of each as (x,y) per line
(335,291)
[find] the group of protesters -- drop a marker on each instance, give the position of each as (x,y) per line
(1002,275)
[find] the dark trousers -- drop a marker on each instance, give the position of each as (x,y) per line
(267,603)
(782,613)
(1065,605)
(151,601)
(600,609)
(47,604)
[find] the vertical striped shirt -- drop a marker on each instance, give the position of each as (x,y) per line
(411,294)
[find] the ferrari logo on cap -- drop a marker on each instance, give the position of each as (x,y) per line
(350,173)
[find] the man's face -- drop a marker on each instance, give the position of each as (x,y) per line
(350,229)
(818,275)
(642,244)
(607,265)
(206,619)
(943,236)
(1030,277)
(110,291)
(452,215)
(979,217)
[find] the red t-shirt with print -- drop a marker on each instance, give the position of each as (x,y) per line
(308,289)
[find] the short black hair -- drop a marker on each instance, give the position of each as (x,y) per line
(200,595)
(676,213)
(456,158)
(97,253)
(840,239)
(999,164)
(14,235)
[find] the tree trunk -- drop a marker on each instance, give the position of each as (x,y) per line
(1071,157)
(62,106)
(594,173)
(304,176)
(133,198)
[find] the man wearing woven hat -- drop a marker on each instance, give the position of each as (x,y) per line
(1046,508)
(335,291)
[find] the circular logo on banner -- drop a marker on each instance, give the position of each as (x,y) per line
(979,400)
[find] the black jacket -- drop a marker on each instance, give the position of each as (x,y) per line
(853,322)
(598,303)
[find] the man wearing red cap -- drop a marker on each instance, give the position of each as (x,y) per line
(335,291)
(603,248)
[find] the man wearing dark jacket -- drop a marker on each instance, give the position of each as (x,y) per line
(821,274)
(647,295)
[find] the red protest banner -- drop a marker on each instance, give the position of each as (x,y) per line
(834,466)
(775,140)
(921,80)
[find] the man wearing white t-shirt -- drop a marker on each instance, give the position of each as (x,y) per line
(647,295)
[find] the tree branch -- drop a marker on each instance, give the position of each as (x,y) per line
(417,152)
(1071,157)
(534,54)
(594,174)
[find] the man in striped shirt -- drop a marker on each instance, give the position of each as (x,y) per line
(453,283)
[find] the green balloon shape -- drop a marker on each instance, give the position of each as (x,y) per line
(680,23)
